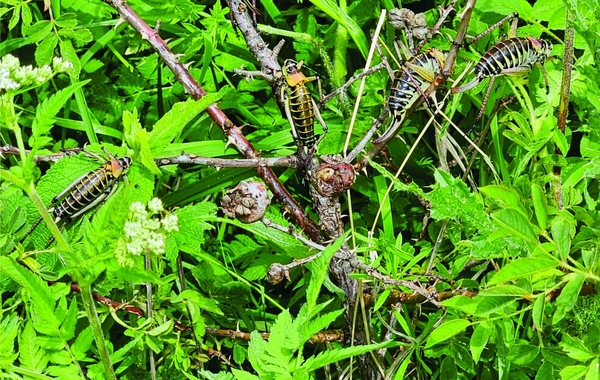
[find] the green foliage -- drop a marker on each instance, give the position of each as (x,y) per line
(511,247)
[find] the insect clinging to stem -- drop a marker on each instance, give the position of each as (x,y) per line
(410,83)
(87,191)
(300,108)
(514,56)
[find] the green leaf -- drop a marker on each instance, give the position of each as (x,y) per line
(330,356)
(505,196)
(593,370)
(137,138)
(45,50)
(172,123)
(9,328)
(522,354)
(199,300)
(39,31)
(562,231)
(14,19)
(479,340)
(243,375)
(540,205)
(522,267)
(545,371)
(575,349)
(515,223)
(446,331)
(47,110)
(502,8)
(67,329)
(38,290)
(68,53)
(319,269)
(333,11)
(568,297)
(538,311)
(31,355)
(161,329)
(573,372)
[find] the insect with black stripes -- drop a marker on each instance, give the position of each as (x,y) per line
(87,191)
(410,83)
(514,56)
(300,108)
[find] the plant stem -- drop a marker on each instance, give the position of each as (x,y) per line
(90,309)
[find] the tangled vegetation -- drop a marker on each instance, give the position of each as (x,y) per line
(175,204)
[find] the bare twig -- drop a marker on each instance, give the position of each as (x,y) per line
(14,151)
(565,91)
(352,79)
(233,133)
(285,161)
(182,159)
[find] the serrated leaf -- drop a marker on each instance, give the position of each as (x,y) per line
(330,356)
(9,328)
(39,31)
(31,355)
(14,19)
(47,110)
(69,323)
(38,290)
(68,53)
(45,50)
(446,331)
(522,267)
(567,298)
(319,271)
(515,223)
(137,138)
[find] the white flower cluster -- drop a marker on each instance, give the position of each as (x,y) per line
(14,76)
(145,231)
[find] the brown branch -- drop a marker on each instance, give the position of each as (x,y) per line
(14,151)
(233,133)
(182,159)
(565,91)
(285,161)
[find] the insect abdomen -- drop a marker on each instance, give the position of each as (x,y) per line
(303,114)
(512,53)
(86,191)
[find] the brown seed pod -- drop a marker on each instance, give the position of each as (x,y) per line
(333,177)
(247,202)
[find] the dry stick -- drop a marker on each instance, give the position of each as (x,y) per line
(182,159)
(233,133)
(444,13)
(284,161)
(14,151)
(563,109)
